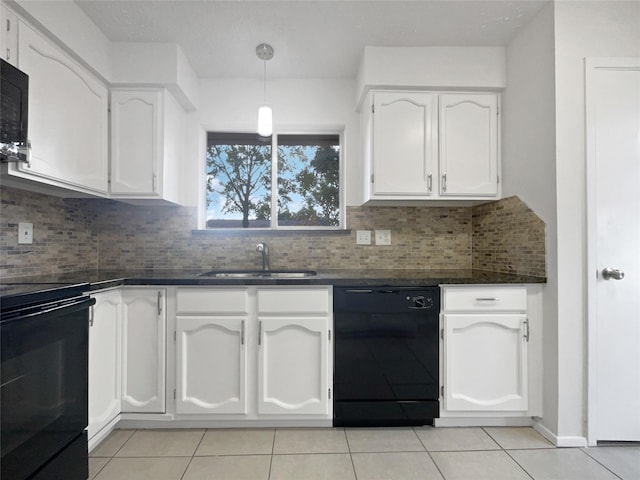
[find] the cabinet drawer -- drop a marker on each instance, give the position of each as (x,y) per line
(294,300)
(477,299)
(219,300)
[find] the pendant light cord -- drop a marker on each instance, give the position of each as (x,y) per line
(265,81)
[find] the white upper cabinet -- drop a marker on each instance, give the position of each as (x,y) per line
(430,146)
(404,140)
(8,36)
(146,131)
(68,118)
(468,145)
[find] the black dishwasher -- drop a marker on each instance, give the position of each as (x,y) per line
(386,364)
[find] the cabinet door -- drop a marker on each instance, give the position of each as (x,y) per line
(104,361)
(485,362)
(404,143)
(136,141)
(143,350)
(293,365)
(468,145)
(8,36)
(68,117)
(211,364)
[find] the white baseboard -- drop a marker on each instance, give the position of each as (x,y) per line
(181,423)
(560,441)
(483,422)
(103,433)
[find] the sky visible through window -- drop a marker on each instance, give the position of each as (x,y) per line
(239,182)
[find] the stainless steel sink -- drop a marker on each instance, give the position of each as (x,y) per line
(259,274)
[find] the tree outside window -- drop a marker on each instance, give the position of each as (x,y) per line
(241,173)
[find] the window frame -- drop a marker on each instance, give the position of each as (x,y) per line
(274,227)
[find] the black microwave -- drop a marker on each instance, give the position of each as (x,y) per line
(14,111)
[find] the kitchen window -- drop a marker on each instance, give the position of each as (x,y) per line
(287,181)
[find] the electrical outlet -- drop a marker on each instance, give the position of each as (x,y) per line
(25,232)
(363,237)
(383,237)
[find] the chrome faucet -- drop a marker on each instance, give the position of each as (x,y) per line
(264,249)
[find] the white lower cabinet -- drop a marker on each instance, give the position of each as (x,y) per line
(486,360)
(212,363)
(293,366)
(104,360)
(235,359)
(143,350)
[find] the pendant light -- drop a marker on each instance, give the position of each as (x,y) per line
(264,51)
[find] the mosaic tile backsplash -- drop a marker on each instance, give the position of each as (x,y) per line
(65,234)
(77,235)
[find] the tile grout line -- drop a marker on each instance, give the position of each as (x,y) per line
(112,456)
(353,465)
(429,454)
(194,454)
(273,449)
(518,463)
(599,463)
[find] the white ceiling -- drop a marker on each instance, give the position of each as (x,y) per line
(311,38)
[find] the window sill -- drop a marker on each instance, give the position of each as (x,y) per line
(267,232)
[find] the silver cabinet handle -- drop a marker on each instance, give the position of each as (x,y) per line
(486,299)
(444,182)
(242,333)
(159,303)
(260,333)
(429,182)
(91,315)
(526,329)
(612,274)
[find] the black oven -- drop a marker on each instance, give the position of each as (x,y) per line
(44,385)
(386,364)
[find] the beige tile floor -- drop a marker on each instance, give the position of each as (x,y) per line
(423,453)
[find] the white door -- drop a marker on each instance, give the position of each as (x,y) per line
(143,350)
(211,364)
(468,145)
(293,366)
(136,143)
(68,117)
(613,166)
(104,361)
(404,143)
(485,362)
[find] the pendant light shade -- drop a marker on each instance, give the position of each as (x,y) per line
(264,52)
(265,121)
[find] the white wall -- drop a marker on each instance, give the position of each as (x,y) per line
(528,171)
(431,67)
(298,105)
(582,29)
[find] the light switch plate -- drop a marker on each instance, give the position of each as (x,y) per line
(383,237)
(25,232)
(363,237)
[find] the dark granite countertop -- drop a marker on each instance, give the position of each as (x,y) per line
(393,277)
